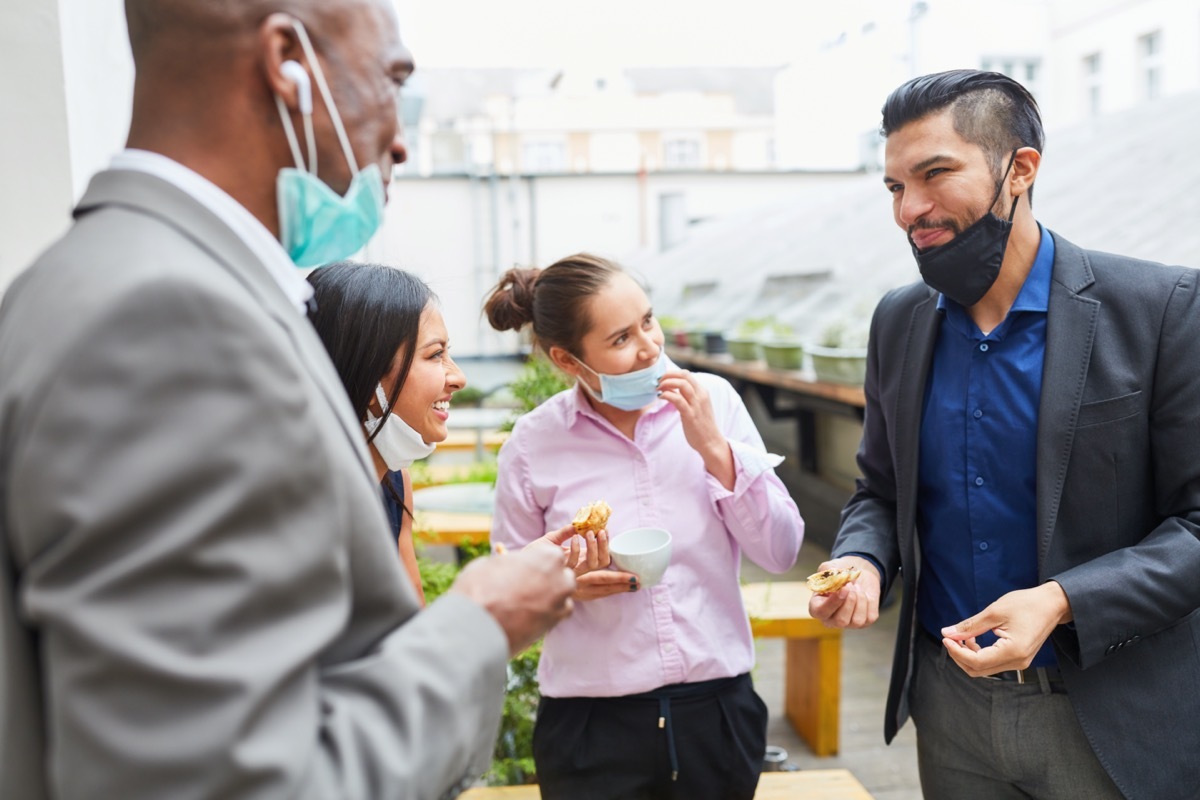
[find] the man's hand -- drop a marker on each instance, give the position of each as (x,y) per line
(581,553)
(527,592)
(855,605)
(1022,621)
(604,583)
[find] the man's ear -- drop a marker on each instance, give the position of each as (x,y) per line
(566,362)
(278,45)
(1024,170)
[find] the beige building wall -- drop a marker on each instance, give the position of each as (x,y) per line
(579,148)
(720,150)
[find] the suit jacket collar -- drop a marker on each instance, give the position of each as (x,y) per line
(914,374)
(150,195)
(1070,330)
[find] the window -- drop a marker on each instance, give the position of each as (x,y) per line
(681,153)
(544,156)
(1150,64)
(1091,83)
(1020,68)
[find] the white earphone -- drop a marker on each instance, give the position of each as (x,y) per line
(298,75)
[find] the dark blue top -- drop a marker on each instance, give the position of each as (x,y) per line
(977,494)
(393,500)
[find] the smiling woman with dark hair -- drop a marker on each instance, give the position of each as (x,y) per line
(386,337)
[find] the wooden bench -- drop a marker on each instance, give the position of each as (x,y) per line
(451,527)
(462,441)
(442,474)
(815,784)
(813,663)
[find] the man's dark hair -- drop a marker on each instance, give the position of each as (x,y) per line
(988,109)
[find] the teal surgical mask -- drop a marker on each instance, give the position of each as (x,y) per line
(632,390)
(316,225)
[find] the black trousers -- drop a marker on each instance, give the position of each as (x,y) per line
(616,748)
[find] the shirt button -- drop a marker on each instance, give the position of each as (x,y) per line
(983,545)
(668,648)
(661,599)
(979,481)
(977,414)
(983,347)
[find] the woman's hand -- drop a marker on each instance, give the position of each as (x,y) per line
(681,389)
(604,583)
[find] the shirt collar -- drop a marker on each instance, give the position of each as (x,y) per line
(1035,292)
(577,406)
(244,224)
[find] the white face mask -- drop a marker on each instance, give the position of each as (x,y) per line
(398,443)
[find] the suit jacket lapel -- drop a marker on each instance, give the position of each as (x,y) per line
(151,195)
(910,396)
(1070,330)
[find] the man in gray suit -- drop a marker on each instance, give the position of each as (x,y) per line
(1031,467)
(199,597)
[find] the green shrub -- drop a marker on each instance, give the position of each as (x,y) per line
(538,381)
(512,760)
(469,396)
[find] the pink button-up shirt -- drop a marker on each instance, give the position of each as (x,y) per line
(692,625)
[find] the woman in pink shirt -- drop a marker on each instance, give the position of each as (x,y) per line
(646,692)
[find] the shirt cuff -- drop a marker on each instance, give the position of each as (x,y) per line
(749,462)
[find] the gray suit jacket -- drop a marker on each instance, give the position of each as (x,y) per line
(199,597)
(1118,500)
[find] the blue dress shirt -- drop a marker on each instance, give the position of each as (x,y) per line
(977,495)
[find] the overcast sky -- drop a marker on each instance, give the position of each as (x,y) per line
(539,33)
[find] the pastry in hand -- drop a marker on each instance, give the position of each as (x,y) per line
(592,517)
(830,580)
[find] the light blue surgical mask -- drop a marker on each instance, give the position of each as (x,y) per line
(316,225)
(632,390)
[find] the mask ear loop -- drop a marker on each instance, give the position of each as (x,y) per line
(291,134)
(1013,211)
(298,75)
(311,54)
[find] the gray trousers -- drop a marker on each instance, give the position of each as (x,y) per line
(981,739)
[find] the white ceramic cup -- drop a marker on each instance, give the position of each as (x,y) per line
(645,552)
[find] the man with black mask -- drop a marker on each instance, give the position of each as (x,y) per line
(1031,467)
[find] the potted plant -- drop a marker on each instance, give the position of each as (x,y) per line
(840,355)
(781,348)
(674,329)
(743,340)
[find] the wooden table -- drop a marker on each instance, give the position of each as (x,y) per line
(786,394)
(811,784)
(813,661)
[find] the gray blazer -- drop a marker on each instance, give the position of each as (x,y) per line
(1118,500)
(199,596)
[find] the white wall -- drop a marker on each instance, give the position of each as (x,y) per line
(443,228)
(829,99)
(1112,29)
(65,91)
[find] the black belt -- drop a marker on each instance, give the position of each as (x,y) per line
(1028,675)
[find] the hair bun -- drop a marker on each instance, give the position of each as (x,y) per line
(509,307)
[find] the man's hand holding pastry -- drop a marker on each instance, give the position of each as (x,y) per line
(843,599)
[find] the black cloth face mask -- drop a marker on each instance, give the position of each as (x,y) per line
(965,268)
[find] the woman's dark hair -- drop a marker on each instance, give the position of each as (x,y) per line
(554,299)
(989,109)
(365,314)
